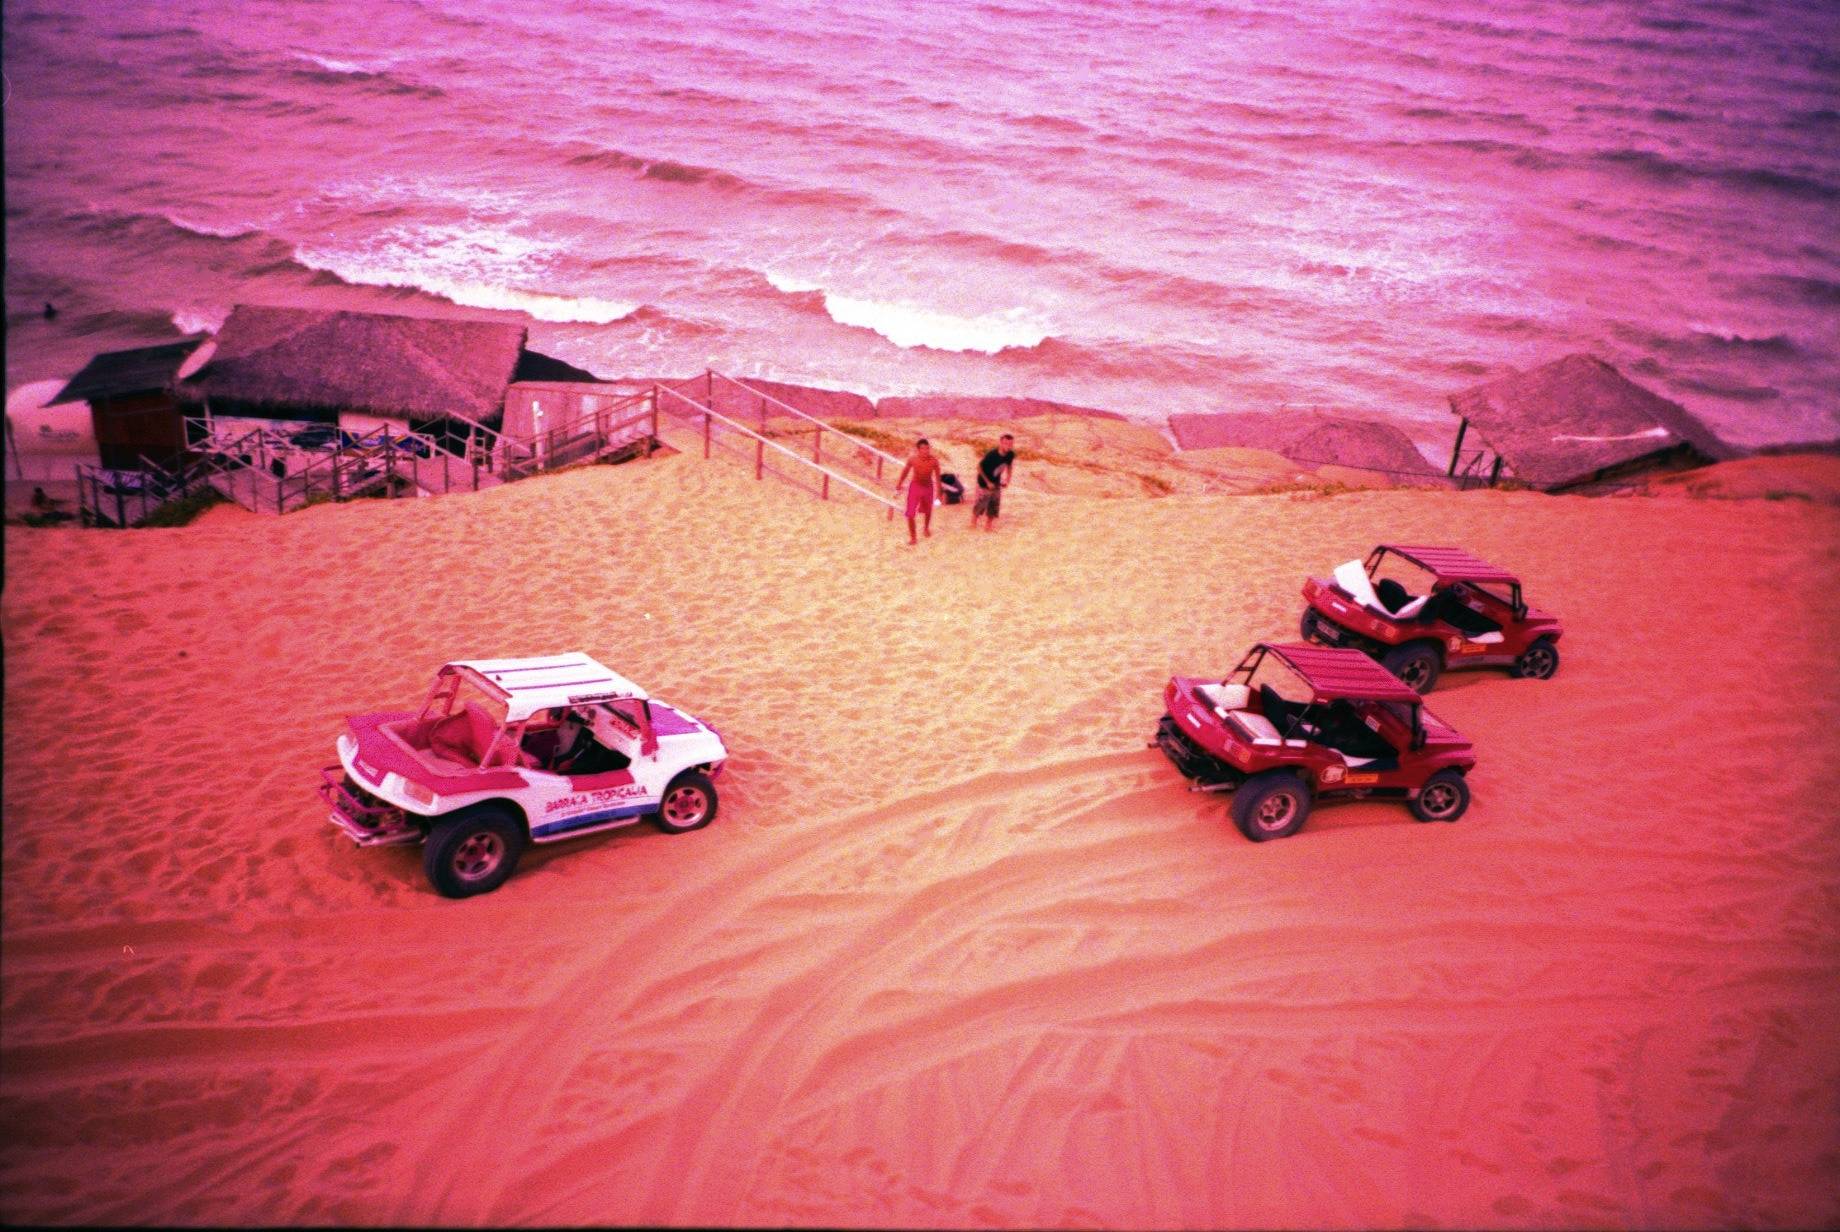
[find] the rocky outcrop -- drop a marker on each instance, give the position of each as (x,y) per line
(1310,438)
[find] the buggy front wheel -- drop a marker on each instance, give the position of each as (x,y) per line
(473,853)
(1444,797)
(689,804)
(1271,805)
(1539,661)
(1416,663)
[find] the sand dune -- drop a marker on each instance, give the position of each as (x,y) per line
(959,951)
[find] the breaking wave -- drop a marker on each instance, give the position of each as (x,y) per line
(909,325)
(541,305)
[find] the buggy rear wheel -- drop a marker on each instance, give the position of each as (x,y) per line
(1307,626)
(1416,663)
(473,853)
(689,804)
(1539,661)
(1271,805)
(1444,797)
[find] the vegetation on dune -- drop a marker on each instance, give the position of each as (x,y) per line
(184,510)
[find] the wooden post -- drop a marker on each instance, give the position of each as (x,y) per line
(709,384)
(1495,471)
(338,469)
(1457,449)
(652,443)
(817,445)
(705,436)
(826,493)
(760,458)
(389,467)
(763,414)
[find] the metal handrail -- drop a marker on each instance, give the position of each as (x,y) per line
(764,443)
(793,410)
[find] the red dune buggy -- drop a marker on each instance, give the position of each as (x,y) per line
(1295,723)
(1422,610)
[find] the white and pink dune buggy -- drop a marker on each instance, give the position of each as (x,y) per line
(506,752)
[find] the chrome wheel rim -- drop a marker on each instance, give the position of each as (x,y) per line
(478,855)
(1539,663)
(685,806)
(1275,811)
(1416,671)
(1439,799)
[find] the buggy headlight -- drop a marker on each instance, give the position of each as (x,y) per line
(414,791)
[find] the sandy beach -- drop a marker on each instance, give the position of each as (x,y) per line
(960,950)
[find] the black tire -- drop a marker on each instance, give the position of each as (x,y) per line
(1539,661)
(1271,805)
(689,803)
(1416,663)
(473,852)
(1307,626)
(1444,797)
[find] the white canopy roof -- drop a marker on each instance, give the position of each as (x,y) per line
(529,685)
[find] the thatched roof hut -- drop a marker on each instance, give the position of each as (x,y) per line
(118,374)
(1574,422)
(133,415)
(1310,438)
(306,363)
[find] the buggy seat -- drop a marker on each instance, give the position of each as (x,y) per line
(466,735)
(1391,600)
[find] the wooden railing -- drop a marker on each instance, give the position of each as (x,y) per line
(717,431)
(845,449)
(632,420)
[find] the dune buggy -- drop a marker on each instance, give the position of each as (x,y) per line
(1295,723)
(508,752)
(1423,610)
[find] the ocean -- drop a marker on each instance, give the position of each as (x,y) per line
(1148,207)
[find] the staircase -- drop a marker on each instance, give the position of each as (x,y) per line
(707,414)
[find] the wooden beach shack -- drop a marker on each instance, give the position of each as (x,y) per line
(1571,424)
(355,370)
(132,406)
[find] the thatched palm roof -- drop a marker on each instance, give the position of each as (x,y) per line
(1564,422)
(115,374)
(373,363)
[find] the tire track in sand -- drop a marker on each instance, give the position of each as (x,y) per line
(455,1173)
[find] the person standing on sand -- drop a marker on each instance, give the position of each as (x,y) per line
(925,470)
(992,478)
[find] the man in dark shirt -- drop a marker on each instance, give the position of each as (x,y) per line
(992,478)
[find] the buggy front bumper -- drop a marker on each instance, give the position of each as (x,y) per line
(366,824)
(1191,759)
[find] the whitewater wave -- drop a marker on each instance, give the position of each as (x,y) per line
(910,325)
(1722,336)
(345,67)
(199,320)
(468,293)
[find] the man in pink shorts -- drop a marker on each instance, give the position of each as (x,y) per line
(924,468)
